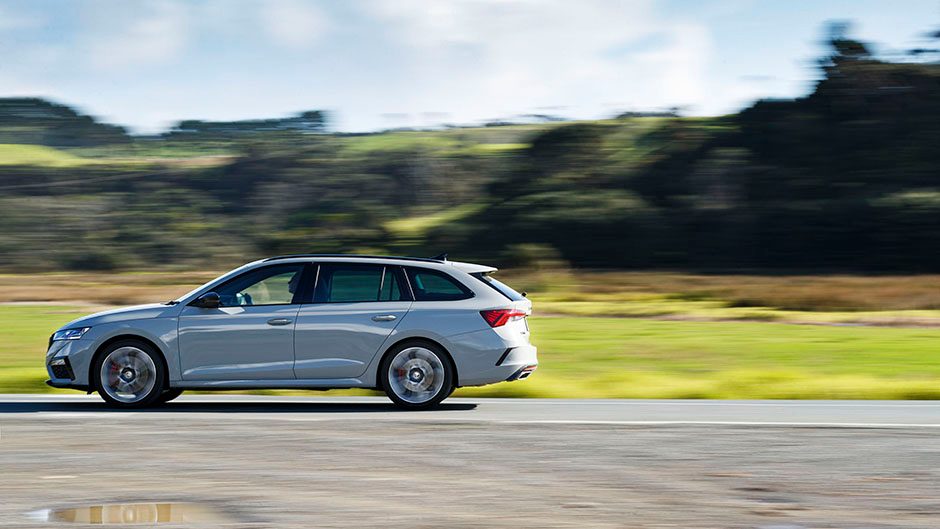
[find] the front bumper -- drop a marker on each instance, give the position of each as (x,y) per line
(68,363)
(67,385)
(60,368)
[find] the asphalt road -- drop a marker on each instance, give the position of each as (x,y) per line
(359,462)
(854,414)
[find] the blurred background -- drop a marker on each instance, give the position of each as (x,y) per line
(670,181)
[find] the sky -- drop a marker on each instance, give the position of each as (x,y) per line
(378,64)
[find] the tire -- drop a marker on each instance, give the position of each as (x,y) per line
(416,375)
(129,374)
(169,395)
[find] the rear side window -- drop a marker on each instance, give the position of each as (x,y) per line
(500,287)
(351,283)
(431,285)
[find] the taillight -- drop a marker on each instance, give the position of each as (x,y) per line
(500,317)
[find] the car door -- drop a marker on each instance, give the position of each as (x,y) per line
(355,308)
(251,335)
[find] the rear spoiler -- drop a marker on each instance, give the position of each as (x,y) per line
(472,268)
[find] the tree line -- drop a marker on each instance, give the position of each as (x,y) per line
(845,178)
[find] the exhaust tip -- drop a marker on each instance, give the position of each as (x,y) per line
(523,373)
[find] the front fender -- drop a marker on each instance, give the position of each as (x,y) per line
(161,332)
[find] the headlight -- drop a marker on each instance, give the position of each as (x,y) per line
(70,334)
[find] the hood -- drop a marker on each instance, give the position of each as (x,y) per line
(137,312)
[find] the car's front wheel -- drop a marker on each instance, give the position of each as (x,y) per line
(129,374)
(417,375)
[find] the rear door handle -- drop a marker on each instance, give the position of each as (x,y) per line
(384,317)
(280,321)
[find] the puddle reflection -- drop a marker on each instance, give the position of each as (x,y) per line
(135,513)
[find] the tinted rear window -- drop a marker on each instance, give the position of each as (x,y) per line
(500,287)
(356,283)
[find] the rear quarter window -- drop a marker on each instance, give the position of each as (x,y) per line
(500,287)
(431,285)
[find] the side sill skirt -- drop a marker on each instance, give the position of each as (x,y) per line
(322,383)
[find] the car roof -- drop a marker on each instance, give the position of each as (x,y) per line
(469,268)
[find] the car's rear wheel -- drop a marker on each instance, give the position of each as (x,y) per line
(417,375)
(129,374)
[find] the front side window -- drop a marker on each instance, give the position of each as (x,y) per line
(431,285)
(271,285)
(353,283)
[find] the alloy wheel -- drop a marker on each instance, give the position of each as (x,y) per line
(416,375)
(128,374)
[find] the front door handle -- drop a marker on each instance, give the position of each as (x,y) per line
(280,321)
(384,317)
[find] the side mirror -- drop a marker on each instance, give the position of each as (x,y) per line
(209,300)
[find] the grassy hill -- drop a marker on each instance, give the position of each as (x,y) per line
(844,179)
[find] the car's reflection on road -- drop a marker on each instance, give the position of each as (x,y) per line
(135,513)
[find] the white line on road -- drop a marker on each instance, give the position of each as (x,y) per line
(470,420)
(732,423)
(234,399)
(220,408)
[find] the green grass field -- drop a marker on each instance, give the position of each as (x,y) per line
(636,358)
(26,330)
(38,155)
(596,357)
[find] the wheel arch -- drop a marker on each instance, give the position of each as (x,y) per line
(93,375)
(416,339)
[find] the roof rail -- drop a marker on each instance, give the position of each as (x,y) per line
(356,256)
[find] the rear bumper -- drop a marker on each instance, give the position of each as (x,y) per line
(513,363)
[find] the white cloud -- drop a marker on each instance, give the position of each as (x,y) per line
(148,33)
(677,72)
(492,58)
(473,59)
(292,23)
